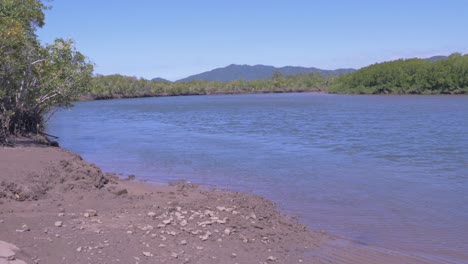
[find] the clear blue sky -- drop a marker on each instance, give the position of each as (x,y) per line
(174,39)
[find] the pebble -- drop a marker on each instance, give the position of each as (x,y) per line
(271,258)
(24,228)
(174,255)
(183,242)
(58,223)
(79,249)
(147,254)
(227,231)
(151,214)
(90,213)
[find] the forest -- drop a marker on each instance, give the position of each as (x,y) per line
(410,76)
(404,76)
(118,86)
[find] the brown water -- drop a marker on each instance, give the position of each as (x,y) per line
(389,172)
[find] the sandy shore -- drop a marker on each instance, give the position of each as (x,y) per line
(57,208)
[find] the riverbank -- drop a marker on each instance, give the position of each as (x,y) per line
(145,95)
(57,208)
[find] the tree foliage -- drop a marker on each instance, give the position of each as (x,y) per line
(118,86)
(411,76)
(34,78)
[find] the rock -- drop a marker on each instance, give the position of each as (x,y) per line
(23,228)
(58,223)
(227,231)
(174,255)
(16,261)
(61,214)
(253,216)
(90,213)
(199,248)
(79,249)
(183,223)
(147,254)
(233,255)
(7,250)
(272,259)
(206,236)
(151,214)
(183,242)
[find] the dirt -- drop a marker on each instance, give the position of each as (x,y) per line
(57,208)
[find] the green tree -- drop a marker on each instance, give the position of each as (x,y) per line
(34,79)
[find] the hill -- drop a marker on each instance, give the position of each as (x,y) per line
(436,75)
(235,72)
(158,79)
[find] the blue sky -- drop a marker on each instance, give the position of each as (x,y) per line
(174,39)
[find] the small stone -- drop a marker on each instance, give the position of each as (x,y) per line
(151,214)
(147,254)
(129,232)
(252,215)
(23,228)
(199,248)
(61,214)
(79,249)
(233,255)
(183,242)
(271,258)
(90,213)
(183,222)
(58,224)
(174,255)
(227,231)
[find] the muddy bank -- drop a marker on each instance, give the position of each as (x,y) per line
(57,208)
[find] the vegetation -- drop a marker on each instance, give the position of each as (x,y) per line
(411,76)
(118,86)
(34,78)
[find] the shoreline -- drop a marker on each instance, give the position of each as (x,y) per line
(47,195)
(87,98)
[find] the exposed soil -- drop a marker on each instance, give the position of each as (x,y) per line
(57,208)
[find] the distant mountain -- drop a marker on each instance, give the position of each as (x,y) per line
(436,58)
(157,79)
(248,73)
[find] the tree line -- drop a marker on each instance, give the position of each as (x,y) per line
(119,86)
(410,76)
(404,76)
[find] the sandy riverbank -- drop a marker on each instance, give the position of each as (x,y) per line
(49,198)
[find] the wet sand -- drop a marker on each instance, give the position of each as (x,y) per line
(57,208)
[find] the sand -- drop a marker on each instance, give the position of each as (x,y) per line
(57,208)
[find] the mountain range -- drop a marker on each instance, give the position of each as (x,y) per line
(249,73)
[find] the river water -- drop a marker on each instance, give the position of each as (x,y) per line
(387,171)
